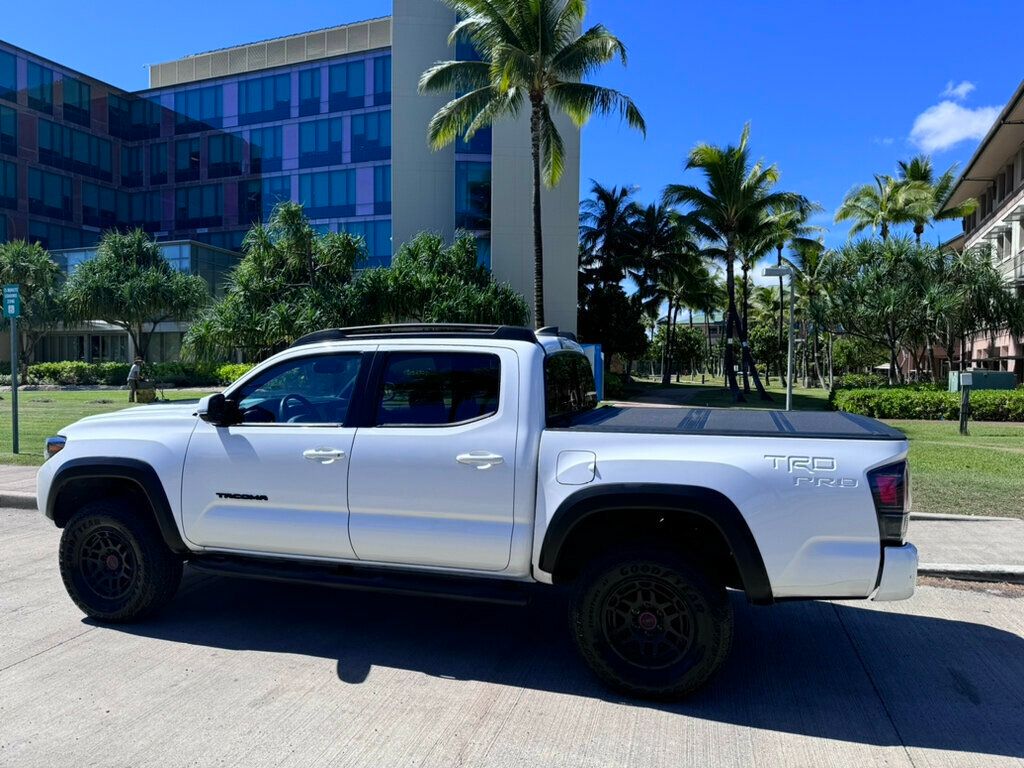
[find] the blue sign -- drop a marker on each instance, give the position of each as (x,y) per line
(12,301)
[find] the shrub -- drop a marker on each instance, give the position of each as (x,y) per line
(860,381)
(76,372)
(930,403)
(229,373)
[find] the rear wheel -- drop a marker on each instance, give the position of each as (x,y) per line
(650,624)
(114,563)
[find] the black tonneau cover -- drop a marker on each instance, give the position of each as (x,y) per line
(740,422)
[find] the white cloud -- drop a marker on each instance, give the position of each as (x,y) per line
(947,123)
(958,92)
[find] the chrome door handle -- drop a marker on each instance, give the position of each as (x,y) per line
(480,459)
(323,455)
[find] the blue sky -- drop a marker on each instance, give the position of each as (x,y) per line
(833,90)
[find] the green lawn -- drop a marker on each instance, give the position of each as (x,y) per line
(713,393)
(44,413)
(982,474)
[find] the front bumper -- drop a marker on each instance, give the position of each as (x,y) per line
(899,573)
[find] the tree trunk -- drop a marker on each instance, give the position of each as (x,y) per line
(743,329)
(782,309)
(666,351)
(730,328)
(885,231)
(918,231)
(538,238)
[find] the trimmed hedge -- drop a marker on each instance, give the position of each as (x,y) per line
(860,381)
(915,403)
(73,372)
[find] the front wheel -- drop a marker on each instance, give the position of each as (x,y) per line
(114,563)
(650,624)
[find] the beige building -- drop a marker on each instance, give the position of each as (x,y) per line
(994,176)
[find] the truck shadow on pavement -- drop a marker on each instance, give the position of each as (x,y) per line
(834,671)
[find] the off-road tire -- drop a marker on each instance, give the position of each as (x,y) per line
(114,563)
(650,624)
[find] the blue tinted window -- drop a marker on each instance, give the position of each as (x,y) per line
(371,136)
(3,229)
(186,160)
(382,189)
(8,76)
(40,88)
(74,150)
(265,98)
(347,85)
(483,251)
(377,236)
(198,109)
(49,194)
(8,131)
(8,185)
(146,210)
(54,236)
(77,101)
(133,118)
(309,92)
(265,149)
(480,144)
(131,166)
(320,142)
(472,195)
(382,80)
(201,206)
(158,163)
(328,193)
(277,189)
(224,155)
(100,206)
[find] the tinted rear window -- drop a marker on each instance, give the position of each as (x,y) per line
(569,386)
(433,388)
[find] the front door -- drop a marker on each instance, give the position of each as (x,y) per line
(432,475)
(277,482)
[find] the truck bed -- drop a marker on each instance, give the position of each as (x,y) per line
(740,422)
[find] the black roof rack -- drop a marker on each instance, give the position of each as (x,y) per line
(420,330)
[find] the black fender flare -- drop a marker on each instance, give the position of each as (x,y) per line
(709,504)
(134,470)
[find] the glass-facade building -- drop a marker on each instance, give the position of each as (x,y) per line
(331,119)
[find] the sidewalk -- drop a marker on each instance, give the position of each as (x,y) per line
(977,548)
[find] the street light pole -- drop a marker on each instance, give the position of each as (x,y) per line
(785,271)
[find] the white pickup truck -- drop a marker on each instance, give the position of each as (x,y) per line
(471,462)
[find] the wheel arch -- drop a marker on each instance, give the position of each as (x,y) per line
(715,511)
(83,478)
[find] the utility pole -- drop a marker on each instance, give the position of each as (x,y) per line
(780,272)
(12,308)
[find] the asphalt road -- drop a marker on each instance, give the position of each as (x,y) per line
(251,674)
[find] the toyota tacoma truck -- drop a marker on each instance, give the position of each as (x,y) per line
(475,462)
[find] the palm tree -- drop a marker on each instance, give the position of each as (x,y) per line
(919,170)
(887,202)
(531,51)
(739,195)
(606,233)
(810,263)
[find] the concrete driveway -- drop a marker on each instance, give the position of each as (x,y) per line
(252,674)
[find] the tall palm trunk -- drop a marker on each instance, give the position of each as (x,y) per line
(782,308)
(538,237)
(730,327)
(666,354)
(743,326)
(748,357)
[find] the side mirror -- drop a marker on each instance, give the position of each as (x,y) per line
(218,410)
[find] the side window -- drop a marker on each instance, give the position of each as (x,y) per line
(436,388)
(306,390)
(569,386)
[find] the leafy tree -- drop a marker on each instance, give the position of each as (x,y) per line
(532,53)
(738,196)
(131,285)
(39,278)
(607,234)
(289,282)
(883,204)
(919,170)
(689,348)
(431,282)
(607,316)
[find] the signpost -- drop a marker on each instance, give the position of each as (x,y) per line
(966,380)
(12,310)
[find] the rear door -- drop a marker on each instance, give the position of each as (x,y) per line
(432,475)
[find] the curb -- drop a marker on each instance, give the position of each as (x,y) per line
(18,500)
(936,517)
(1001,573)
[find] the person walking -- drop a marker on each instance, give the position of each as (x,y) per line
(133,380)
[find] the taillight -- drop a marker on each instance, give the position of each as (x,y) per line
(890,489)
